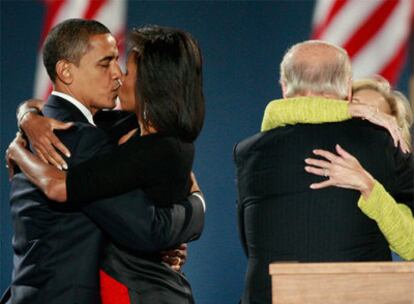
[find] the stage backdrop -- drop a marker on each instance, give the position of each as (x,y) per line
(242,43)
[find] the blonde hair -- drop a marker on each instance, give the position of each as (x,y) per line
(398,103)
(301,75)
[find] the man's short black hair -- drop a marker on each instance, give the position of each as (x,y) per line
(69,40)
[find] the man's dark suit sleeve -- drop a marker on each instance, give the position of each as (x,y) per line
(132,221)
(240,208)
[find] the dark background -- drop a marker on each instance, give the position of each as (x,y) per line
(243,44)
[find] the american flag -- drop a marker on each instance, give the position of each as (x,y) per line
(375,33)
(111,13)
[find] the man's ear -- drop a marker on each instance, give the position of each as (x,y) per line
(63,71)
(284,89)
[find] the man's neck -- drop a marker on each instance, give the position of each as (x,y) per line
(59,87)
(79,105)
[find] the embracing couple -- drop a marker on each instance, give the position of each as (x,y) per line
(113,225)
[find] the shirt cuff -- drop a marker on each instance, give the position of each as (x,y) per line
(200,196)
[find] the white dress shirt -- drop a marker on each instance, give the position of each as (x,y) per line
(85,111)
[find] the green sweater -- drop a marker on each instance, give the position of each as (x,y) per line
(311,110)
(395,220)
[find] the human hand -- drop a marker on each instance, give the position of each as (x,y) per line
(194,185)
(176,258)
(17,143)
(342,170)
(387,121)
(39,131)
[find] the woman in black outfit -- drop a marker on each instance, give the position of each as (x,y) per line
(163,86)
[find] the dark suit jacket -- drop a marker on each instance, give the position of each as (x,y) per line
(282,219)
(57,248)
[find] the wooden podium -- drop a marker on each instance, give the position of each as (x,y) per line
(343,283)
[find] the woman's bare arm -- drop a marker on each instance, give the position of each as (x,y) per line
(47,178)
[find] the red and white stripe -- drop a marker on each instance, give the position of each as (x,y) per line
(375,33)
(111,13)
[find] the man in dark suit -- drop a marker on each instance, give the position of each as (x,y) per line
(57,247)
(280,217)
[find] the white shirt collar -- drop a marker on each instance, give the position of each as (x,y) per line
(85,111)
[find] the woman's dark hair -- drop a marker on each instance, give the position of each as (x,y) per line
(169,87)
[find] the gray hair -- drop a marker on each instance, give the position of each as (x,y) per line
(301,75)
